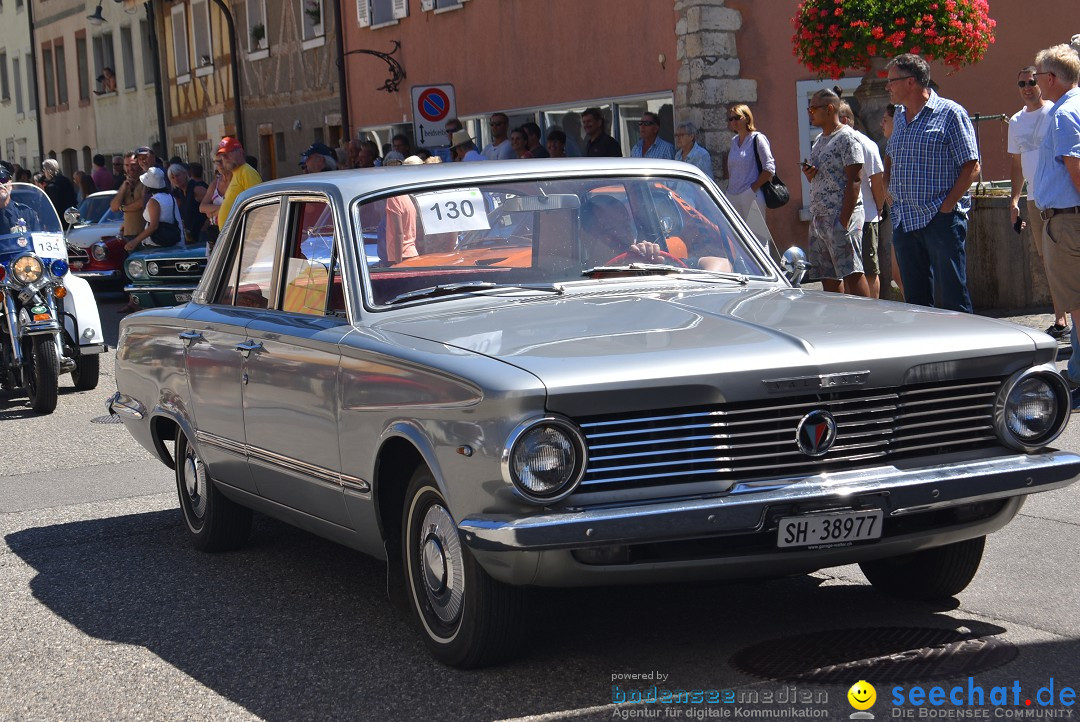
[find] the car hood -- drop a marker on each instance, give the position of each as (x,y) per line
(619,351)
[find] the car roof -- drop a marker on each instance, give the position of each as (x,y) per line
(365,181)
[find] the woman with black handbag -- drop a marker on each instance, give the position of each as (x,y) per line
(750,168)
(163,225)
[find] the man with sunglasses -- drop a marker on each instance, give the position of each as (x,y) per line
(650,144)
(1057,187)
(1026,130)
(499,147)
(931,161)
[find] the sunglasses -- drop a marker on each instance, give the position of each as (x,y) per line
(890,81)
(1026,83)
(646,122)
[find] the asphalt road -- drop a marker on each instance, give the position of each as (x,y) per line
(106,613)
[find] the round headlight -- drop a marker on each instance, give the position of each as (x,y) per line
(27,269)
(58,267)
(135,269)
(1032,409)
(152,268)
(99,252)
(546,460)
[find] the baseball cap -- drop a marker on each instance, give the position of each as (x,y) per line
(143,150)
(5,175)
(228,144)
(317,149)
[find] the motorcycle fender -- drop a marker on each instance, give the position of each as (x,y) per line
(82,305)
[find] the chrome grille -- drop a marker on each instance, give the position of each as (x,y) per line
(179,267)
(756,440)
(77,257)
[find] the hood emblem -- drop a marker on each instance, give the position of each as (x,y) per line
(185,266)
(816,433)
(815,383)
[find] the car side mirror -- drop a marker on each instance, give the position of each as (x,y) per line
(72,216)
(795,265)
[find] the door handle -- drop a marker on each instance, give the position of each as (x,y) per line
(191,337)
(248,346)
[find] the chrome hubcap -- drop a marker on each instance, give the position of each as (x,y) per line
(195,483)
(442,567)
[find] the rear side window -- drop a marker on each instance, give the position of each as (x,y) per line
(251,285)
(308,259)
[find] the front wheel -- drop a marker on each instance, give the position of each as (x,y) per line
(86,372)
(927,575)
(42,376)
(469,620)
(214,522)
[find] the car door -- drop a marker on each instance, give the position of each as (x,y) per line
(292,369)
(215,342)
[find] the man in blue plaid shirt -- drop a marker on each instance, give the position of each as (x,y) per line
(932,159)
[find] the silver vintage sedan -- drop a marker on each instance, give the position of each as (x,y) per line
(575,372)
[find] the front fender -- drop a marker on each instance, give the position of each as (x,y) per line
(85,326)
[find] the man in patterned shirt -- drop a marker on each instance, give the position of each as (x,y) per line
(931,161)
(651,145)
(836,210)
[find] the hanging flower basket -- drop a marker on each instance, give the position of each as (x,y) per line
(832,36)
(313,11)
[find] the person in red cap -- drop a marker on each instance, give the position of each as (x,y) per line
(243,175)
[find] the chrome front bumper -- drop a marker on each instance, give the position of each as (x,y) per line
(897,491)
(98,275)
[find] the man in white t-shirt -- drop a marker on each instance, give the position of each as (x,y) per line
(1026,131)
(499,147)
(873,198)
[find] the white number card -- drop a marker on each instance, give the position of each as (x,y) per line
(49,245)
(461,209)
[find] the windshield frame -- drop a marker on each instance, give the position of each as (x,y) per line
(742,232)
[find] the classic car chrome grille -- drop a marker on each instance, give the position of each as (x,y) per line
(749,441)
(180,267)
(77,257)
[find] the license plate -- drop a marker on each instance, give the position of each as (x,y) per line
(831,529)
(182,297)
(50,246)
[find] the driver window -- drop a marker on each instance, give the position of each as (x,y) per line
(258,244)
(308,258)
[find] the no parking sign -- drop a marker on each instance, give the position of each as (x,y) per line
(432,106)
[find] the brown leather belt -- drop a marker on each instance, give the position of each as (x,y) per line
(1051,212)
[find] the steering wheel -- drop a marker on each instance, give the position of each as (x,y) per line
(623,256)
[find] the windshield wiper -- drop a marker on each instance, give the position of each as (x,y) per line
(450,289)
(661,269)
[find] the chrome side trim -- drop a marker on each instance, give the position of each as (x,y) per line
(96,274)
(896,491)
(319,474)
(131,288)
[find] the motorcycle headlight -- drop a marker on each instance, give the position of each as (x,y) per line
(136,268)
(545,459)
(99,252)
(27,269)
(1032,409)
(152,268)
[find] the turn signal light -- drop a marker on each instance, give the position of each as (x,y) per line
(60,292)
(42,317)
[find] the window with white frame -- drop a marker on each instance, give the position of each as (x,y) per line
(146,52)
(181,59)
(256,17)
(441,5)
(377,13)
(205,156)
(103,53)
(31,85)
(5,91)
(311,16)
(17,77)
(180,151)
(127,57)
(200,37)
(804,89)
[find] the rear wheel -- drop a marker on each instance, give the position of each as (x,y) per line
(214,522)
(469,619)
(41,380)
(930,574)
(86,372)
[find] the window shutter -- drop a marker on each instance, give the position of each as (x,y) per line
(427,5)
(401,9)
(363,13)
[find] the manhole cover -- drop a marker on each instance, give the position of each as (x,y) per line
(889,654)
(109,419)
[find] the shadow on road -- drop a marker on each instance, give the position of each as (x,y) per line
(294,627)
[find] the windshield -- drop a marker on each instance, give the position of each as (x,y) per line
(550,231)
(95,209)
(41,215)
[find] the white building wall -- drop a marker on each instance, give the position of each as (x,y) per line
(18,127)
